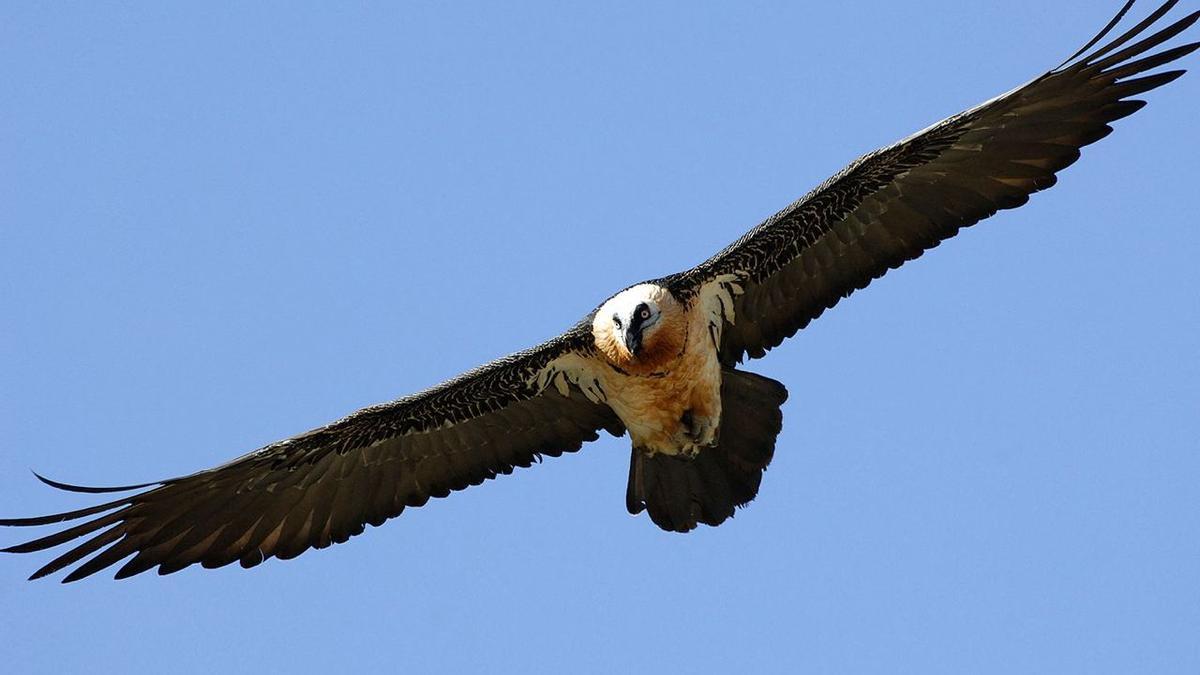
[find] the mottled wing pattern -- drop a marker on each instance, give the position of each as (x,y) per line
(324,486)
(891,205)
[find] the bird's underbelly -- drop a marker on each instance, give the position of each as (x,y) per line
(673,412)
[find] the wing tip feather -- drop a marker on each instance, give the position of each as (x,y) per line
(1112,23)
(90,489)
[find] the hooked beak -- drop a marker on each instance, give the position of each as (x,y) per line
(633,340)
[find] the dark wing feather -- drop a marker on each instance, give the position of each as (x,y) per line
(325,486)
(891,205)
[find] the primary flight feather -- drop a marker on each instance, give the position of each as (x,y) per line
(657,360)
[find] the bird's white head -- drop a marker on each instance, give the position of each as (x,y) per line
(642,324)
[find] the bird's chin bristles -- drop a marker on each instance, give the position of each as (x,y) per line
(612,346)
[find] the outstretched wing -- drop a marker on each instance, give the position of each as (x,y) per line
(324,486)
(891,205)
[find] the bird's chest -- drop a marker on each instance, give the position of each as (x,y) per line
(675,410)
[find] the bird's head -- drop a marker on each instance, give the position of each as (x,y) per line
(640,325)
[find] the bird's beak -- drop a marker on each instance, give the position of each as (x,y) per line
(633,340)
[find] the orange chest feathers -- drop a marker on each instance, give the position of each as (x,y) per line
(652,403)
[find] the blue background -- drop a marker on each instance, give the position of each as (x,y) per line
(224,226)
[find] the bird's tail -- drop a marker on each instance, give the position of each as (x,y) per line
(679,493)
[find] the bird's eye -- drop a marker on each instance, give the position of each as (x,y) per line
(644,314)
(616,321)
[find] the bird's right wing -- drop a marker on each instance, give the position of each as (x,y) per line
(324,486)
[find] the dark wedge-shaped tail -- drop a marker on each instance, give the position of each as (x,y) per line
(680,493)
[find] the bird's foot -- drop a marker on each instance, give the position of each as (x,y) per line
(696,433)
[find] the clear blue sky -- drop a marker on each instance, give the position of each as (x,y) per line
(221,227)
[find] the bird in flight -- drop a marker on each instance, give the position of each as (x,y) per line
(658,360)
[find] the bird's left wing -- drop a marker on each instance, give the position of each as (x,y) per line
(324,486)
(893,204)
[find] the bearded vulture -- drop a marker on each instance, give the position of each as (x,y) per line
(658,359)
